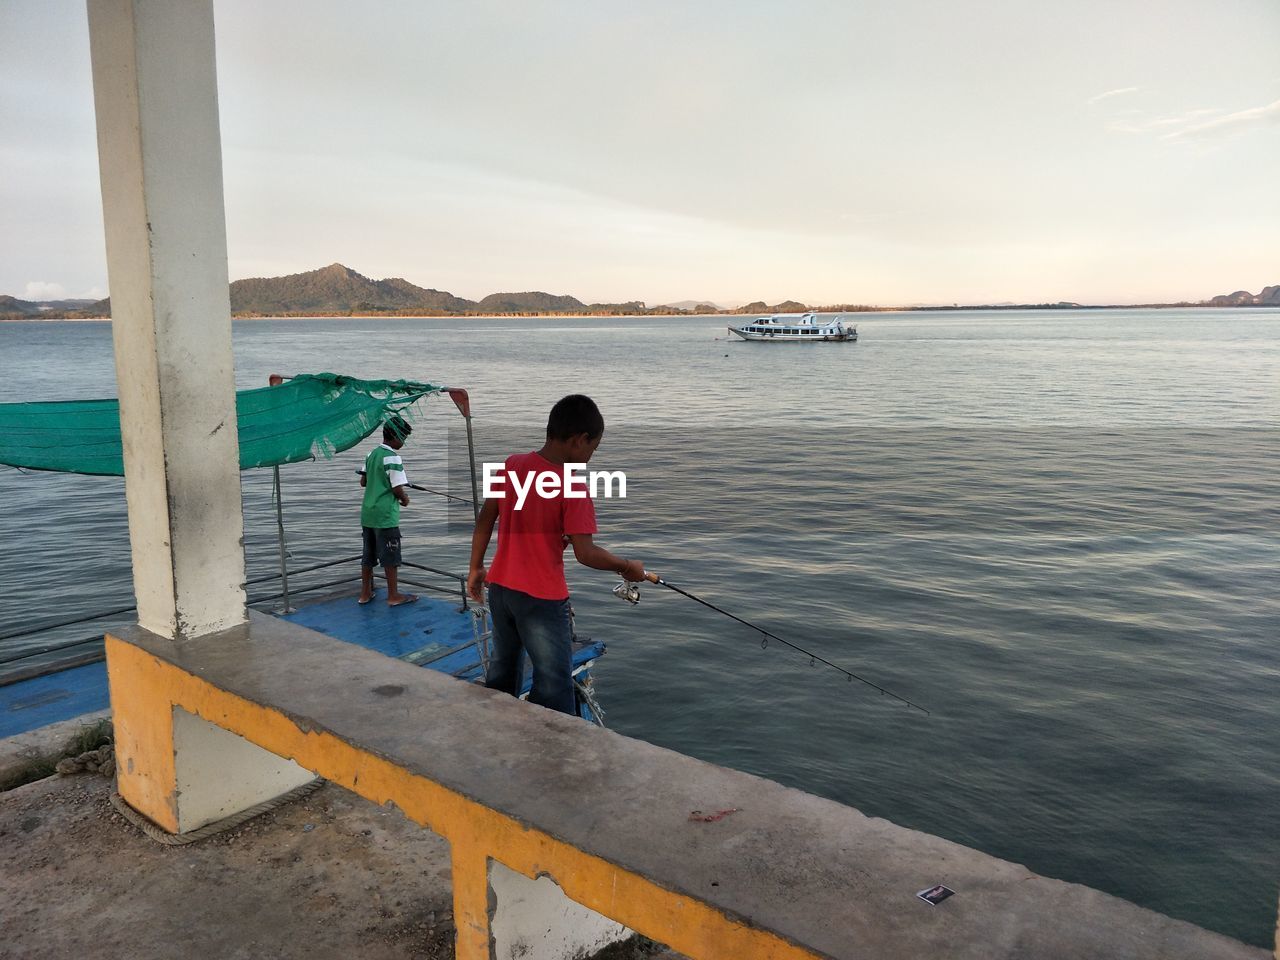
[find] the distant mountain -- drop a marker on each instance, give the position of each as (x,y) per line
(1269,297)
(13,307)
(338,289)
(786,306)
(529,302)
(691,305)
(416,296)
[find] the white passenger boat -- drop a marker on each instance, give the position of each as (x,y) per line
(801,327)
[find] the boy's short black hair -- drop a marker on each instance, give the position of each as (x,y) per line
(397,427)
(573,415)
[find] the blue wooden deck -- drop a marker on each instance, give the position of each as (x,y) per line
(29,704)
(417,632)
(432,633)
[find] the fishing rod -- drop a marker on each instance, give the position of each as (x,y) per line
(438,493)
(631,593)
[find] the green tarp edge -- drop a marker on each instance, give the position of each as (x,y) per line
(308,417)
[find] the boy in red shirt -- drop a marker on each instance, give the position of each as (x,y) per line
(528,595)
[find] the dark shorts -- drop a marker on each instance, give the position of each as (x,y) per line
(381,545)
(544,630)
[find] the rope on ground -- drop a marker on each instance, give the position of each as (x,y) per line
(101,760)
(210,829)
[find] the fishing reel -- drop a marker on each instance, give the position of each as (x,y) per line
(628,591)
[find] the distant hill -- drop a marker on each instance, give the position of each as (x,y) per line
(693,305)
(1269,297)
(338,289)
(13,307)
(786,306)
(530,302)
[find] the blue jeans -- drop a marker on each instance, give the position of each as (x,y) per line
(522,623)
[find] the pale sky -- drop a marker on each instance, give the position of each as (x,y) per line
(881,151)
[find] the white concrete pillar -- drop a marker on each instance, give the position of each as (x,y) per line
(534,920)
(219,774)
(160,158)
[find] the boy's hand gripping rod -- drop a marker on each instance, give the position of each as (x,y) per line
(630,592)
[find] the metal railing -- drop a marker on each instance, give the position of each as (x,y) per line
(81,657)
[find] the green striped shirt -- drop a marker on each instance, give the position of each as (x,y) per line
(383,472)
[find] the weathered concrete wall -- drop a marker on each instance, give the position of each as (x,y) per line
(787,875)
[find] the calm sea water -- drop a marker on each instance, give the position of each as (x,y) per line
(1057,531)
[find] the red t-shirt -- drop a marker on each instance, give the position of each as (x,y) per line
(531,544)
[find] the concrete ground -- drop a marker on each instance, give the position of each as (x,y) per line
(330,875)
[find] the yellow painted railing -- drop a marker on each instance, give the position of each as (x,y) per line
(202,727)
(146,689)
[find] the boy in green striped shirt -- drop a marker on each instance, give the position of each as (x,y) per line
(385,492)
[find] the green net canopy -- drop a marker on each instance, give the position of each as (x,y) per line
(307,417)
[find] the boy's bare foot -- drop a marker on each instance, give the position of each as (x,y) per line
(365,597)
(400,599)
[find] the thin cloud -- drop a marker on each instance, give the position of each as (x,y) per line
(1239,121)
(1113,93)
(38,290)
(1167,127)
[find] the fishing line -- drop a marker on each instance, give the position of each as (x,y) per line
(767,636)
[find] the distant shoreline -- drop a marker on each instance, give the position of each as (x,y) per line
(973,308)
(338,291)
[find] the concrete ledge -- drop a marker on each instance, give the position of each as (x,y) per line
(609,817)
(30,756)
